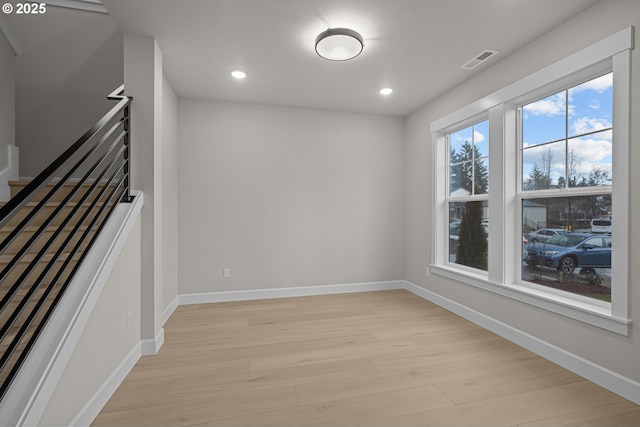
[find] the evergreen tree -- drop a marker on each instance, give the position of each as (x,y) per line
(537,179)
(472,244)
(455,172)
(540,175)
(561,182)
(468,171)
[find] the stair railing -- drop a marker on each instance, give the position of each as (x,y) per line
(69,203)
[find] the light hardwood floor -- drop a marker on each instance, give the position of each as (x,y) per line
(365,359)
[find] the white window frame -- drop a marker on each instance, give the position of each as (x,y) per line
(505,207)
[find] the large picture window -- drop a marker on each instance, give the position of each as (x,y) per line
(531,188)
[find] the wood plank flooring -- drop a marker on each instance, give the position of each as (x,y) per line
(364,359)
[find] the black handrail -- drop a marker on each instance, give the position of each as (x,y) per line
(30,294)
(20,199)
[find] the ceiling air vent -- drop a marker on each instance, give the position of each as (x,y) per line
(479,59)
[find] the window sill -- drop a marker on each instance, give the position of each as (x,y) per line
(596,313)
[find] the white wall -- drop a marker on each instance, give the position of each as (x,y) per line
(106,341)
(7,101)
(287,197)
(71,61)
(143,80)
(617,353)
(8,151)
(169,203)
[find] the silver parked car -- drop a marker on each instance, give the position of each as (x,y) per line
(545,234)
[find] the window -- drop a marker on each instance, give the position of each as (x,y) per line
(468,189)
(566,148)
(554,149)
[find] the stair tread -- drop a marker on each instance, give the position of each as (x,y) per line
(70,181)
(33,228)
(29,256)
(55,204)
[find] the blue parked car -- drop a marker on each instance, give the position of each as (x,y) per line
(565,252)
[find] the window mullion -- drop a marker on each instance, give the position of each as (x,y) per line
(500,250)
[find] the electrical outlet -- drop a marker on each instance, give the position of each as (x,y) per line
(226,272)
(129,320)
(428,272)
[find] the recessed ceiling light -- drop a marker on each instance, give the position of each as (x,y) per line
(386,91)
(238,74)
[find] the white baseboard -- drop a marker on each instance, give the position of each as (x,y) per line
(167,312)
(10,173)
(248,295)
(623,386)
(93,407)
(151,347)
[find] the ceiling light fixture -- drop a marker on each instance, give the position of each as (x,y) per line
(339,44)
(238,74)
(386,91)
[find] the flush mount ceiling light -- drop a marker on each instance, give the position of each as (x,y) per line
(339,44)
(238,74)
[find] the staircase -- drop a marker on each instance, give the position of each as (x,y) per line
(40,260)
(49,225)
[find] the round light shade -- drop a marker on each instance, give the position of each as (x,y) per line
(339,44)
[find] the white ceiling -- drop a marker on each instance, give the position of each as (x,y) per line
(414,46)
